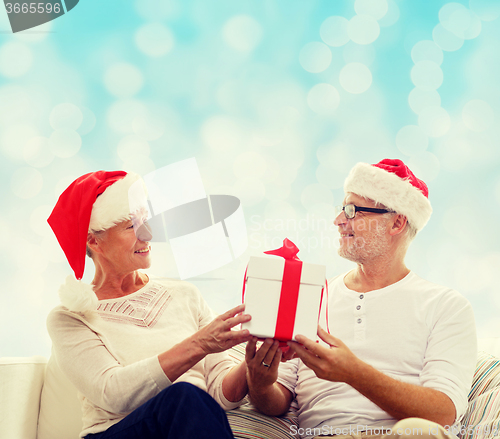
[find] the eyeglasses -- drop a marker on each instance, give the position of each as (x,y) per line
(351,209)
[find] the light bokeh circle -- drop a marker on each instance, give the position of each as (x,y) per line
(363,29)
(242,33)
(26,182)
(355,78)
(315,57)
(445,39)
(66,115)
(323,99)
(335,156)
(486,10)
(250,191)
(16,59)
(121,114)
(411,140)
(14,137)
(328,177)
(154,39)
(478,115)
(221,133)
(249,164)
(455,153)
(333,31)
(365,54)
(374,8)
(37,152)
(460,21)
(157,10)
(151,127)
(132,146)
(434,121)
(316,194)
(140,164)
(446,14)
(420,99)
(427,50)
(88,122)
(65,143)
(123,80)
(427,75)
(425,166)
(474,28)
(38,220)
(391,16)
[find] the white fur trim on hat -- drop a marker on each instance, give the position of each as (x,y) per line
(117,202)
(77,296)
(390,190)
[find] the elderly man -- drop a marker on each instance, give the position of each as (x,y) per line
(401,354)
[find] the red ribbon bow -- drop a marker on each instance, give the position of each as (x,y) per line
(288,251)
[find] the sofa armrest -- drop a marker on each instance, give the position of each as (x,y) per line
(21,382)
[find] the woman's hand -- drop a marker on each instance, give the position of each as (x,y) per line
(217,336)
(262,365)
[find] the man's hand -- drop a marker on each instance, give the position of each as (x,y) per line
(336,363)
(217,336)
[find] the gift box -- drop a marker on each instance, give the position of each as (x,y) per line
(283,295)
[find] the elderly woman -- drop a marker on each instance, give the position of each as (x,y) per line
(124,340)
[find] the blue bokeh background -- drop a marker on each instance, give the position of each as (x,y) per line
(276,100)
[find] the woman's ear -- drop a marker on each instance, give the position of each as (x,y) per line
(93,243)
(398,225)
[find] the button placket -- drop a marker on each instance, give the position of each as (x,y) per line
(359,317)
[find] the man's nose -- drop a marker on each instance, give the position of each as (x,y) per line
(144,232)
(341,219)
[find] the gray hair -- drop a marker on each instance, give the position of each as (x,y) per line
(410,230)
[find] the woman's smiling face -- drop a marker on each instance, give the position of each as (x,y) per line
(125,247)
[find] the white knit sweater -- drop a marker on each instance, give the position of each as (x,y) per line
(111,355)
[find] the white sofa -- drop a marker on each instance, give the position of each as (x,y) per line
(38,402)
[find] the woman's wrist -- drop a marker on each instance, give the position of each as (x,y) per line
(196,348)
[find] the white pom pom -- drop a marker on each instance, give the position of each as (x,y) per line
(77,296)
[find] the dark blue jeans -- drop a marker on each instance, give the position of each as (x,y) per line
(181,411)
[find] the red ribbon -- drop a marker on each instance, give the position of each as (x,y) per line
(290,286)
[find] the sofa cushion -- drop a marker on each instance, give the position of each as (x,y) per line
(248,423)
(482,418)
(20,387)
(486,375)
(60,411)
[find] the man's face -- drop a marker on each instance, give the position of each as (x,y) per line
(364,237)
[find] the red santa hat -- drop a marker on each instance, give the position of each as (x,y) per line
(93,202)
(391,183)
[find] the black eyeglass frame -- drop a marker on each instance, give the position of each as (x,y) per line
(362,209)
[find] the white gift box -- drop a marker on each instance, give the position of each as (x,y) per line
(263,292)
